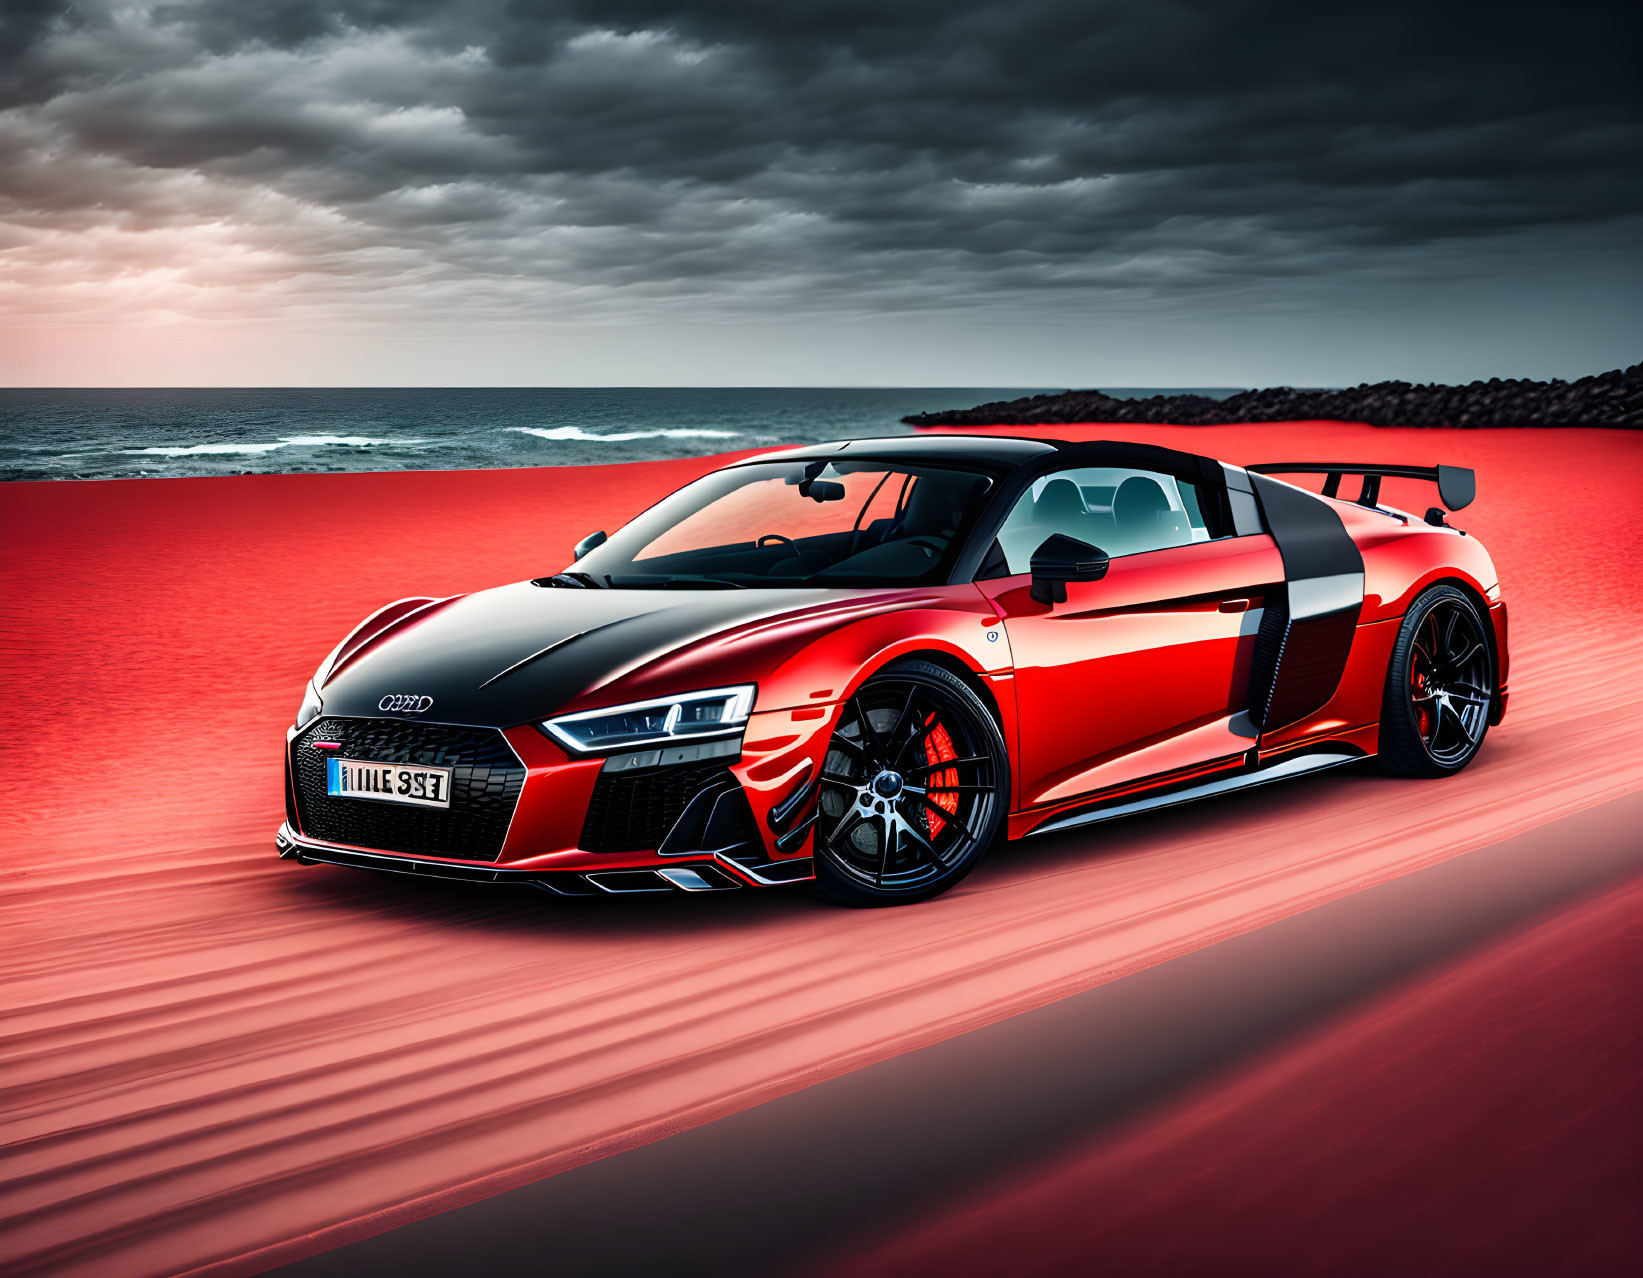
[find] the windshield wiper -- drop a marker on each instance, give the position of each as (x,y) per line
(570,581)
(656,581)
(708,583)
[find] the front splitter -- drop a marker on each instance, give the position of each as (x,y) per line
(696,875)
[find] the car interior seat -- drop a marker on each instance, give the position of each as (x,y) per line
(1143,517)
(1058,508)
(1098,505)
(917,538)
(934,508)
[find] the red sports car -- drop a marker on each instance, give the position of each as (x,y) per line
(857,664)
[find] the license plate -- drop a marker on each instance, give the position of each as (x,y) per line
(388,782)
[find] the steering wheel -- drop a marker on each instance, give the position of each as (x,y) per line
(776,539)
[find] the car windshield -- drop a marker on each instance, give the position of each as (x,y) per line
(817,523)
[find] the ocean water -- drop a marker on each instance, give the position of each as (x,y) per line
(120,434)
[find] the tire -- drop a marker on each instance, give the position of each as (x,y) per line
(894,826)
(1439,687)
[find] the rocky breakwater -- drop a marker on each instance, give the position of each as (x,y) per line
(1607,399)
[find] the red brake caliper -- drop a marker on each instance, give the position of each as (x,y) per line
(1423,710)
(938,746)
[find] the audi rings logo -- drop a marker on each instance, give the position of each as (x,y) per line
(405,703)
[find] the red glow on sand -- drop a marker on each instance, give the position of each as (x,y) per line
(217,1055)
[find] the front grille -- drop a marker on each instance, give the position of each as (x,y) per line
(486,778)
(632,812)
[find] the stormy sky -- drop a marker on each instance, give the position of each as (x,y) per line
(915,192)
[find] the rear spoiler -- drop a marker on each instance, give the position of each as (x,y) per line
(1457,485)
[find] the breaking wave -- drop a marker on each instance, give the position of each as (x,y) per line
(292,441)
(576,432)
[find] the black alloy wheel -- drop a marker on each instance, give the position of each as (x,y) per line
(1439,687)
(913,789)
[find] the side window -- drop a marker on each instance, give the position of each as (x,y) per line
(1122,511)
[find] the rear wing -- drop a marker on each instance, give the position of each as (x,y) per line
(1457,485)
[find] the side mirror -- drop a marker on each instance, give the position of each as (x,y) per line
(588,543)
(1061,559)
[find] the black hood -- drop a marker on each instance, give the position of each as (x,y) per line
(520,652)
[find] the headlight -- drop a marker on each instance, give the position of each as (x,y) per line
(693,716)
(311,706)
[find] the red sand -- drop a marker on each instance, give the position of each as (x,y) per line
(1486,1122)
(207,1051)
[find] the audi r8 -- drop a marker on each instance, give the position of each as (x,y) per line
(857,665)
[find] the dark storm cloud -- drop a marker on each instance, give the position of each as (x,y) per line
(906,153)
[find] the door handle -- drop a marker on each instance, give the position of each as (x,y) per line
(1234,605)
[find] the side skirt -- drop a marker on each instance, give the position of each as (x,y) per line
(1293,766)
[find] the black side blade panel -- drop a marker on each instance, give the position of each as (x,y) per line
(1324,574)
(1269,647)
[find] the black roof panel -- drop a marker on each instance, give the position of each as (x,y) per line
(1001,452)
(995,449)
